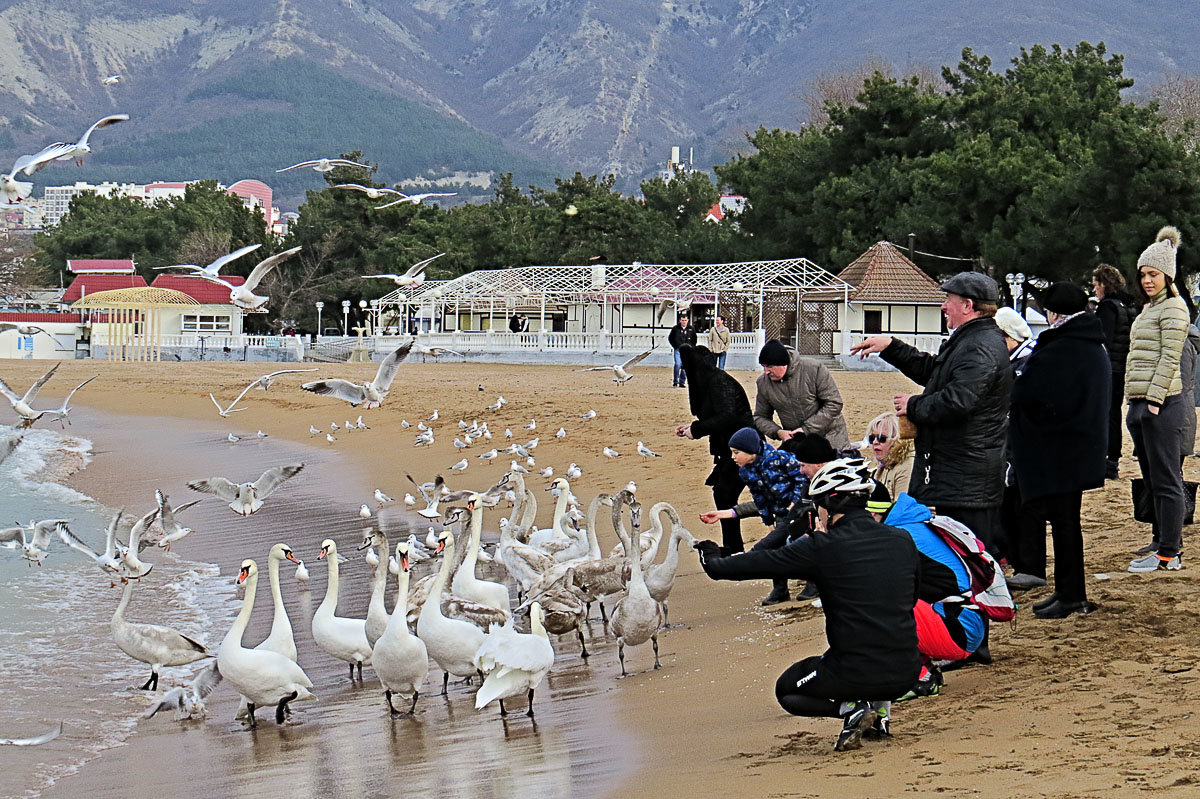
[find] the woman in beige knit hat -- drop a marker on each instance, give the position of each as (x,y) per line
(1154,389)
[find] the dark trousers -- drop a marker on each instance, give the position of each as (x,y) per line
(727,486)
(1115,409)
(1062,512)
(1156,445)
(774,539)
(809,688)
(984,523)
(1025,534)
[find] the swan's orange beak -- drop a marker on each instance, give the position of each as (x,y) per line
(290,556)
(441,545)
(324,552)
(404,562)
(242,575)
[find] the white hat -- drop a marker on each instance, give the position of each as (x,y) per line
(1012,325)
(1161,254)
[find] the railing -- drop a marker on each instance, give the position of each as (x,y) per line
(206,341)
(930,342)
(504,341)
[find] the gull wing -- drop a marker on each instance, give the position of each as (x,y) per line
(419,267)
(336,387)
(597,369)
(186,505)
(139,527)
(389,367)
(193,267)
(300,165)
(420,488)
(216,265)
(345,162)
(103,123)
(72,392)
(207,681)
(171,700)
(41,739)
(389,277)
(284,372)
(32,163)
(217,486)
(165,512)
(444,351)
(12,537)
(73,541)
(245,391)
(7,326)
(404,198)
(265,266)
(635,360)
(9,394)
(110,535)
(43,530)
(214,279)
(36,387)
(275,477)
(353,186)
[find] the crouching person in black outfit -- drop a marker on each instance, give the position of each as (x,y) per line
(867,576)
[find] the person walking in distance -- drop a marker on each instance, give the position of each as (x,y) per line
(961,416)
(718,341)
(801,392)
(1116,312)
(1154,388)
(682,333)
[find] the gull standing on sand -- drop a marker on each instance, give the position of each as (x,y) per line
(433,417)
(243,296)
(359,424)
(461,466)
(413,276)
(490,455)
(645,451)
(532,425)
(364,511)
(323,165)
(369,395)
(562,433)
(314,431)
(609,452)
(589,415)
(21,404)
(302,576)
(621,372)
(246,498)
(574,472)
(382,498)
(329,437)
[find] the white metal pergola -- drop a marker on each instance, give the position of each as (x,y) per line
(532,289)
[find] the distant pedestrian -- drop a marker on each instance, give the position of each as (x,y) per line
(1116,312)
(801,392)
(514,324)
(682,333)
(718,341)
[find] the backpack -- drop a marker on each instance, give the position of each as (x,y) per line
(989,591)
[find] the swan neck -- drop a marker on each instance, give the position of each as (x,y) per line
(329,603)
(243,618)
(476,536)
(536,627)
(126,594)
(276,594)
(400,612)
(560,507)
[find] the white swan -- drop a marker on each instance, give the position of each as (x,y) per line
(281,639)
(513,663)
(465,584)
(400,658)
(338,636)
(660,578)
(377,616)
(452,643)
(260,676)
(150,643)
(525,564)
(650,540)
(636,618)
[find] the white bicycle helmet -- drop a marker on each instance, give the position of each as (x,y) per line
(843,476)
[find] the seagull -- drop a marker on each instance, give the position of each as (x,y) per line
(562,433)
(517,468)
(382,498)
(589,415)
(302,575)
(621,371)
(416,199)
(111,80)
(359,424)
(33,546)
(364,511)
(404,423)
(232,439)
(533,443)
(479,387)
(213,269)
(132,566)
(646,452)
(40,739)
(372,192)
(609,452)
(14,190)
(369,395)
(495,406)
(188,701)
(532,425)
(437,352)
(413,276)
(329,437)
(334,426)
(109,561)
(24,330)
(348,426)
(574,472)
(529,462)
(507,433)
(547,472)
(72,151)
(246,498)
(433,417)
(323,165)
(461,466)
(63,410)
(424,439)
(261,434)
(490,455)
(172,530)
(459,444)
(422,426)
(409,500)
(263,383)
(21,404)
(665,305)
(314,431)
(243,296)
(631,487)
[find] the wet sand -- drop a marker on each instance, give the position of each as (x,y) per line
(1095,705)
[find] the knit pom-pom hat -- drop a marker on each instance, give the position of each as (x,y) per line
(1161,254)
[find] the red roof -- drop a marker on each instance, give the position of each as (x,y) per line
(90,284)
(21,316)
(202,291)
(715,212)
(883,274)
(109,266)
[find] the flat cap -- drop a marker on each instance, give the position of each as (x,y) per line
(973,286)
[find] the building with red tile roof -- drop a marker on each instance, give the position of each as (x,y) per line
(91,283)
(891,295)
(100,266)
(202,291)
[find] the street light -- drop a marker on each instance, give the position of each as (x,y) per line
(1016,283)
(345,317)
(320,306)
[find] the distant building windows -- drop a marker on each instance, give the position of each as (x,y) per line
(194,323)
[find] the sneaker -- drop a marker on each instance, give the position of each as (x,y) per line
(808,592)
(860,718)
(776,596)
(882,726)
(1023,582)
(1149,549)
(1154,562)
(930,685)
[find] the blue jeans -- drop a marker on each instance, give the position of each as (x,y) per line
(721,360)
(678,376)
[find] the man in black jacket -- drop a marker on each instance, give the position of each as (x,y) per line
(1116,313)
(867,575)
(721,408)
(682,333)
(1058,429)
(961,416)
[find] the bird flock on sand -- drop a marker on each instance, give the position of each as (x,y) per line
(497,610)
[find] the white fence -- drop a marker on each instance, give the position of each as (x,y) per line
(547,341)
(212,341)
(930,343)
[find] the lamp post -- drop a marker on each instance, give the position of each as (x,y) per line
(362,316)
(376,317)
(320,307)
(345,317)
(1016,283)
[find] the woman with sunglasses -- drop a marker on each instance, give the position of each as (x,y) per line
(894,457)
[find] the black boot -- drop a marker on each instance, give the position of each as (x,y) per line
(809,592)
(776,596)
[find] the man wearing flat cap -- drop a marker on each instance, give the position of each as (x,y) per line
(961,416)
(802,393)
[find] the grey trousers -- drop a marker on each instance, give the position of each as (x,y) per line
(1156,446)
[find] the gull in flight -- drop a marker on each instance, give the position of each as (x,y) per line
(109,560)
(437,352)
(369,395)
(665,305)
(33,546)
(188,701)
(24,330)
(172,530)
(589,415)
(14,190)
(246,498)
(243,296)
(111,80)
(609,452)
(71,151)
(646,452)
(213,269)
(21,404)
(416,199)
(40,739)
(64,410)
(264,383)
(373,192)
(621,372)
(415,275)
(323,165)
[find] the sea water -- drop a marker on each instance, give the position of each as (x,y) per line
(57,658)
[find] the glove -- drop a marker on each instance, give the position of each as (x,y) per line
(708,550)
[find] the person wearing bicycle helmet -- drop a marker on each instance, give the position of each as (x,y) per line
(867,576)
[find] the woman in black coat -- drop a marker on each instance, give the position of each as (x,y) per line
(721,408)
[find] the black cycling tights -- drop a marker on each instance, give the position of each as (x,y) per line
(808,689)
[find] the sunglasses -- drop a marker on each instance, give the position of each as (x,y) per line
(877,438)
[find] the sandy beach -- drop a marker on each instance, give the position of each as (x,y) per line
(1098,705)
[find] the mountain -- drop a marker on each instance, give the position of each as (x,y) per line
(431,88)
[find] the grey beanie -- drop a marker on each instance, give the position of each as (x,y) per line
(1161,254)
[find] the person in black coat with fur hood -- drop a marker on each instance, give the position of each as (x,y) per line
(721,408)
(1058,423)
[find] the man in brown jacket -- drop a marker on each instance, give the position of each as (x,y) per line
(802,392)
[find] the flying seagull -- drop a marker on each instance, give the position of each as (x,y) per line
(21,404)
(323,165)
(111,80)
(369,395)
(71,151)
(188,701)
(243,296)
(371,191)
(416,199)
(621,372)
(263,382)
(63,410)
(665,305)
(40,739)
(247,498)
(213,269)
(415,275)
(24,330)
